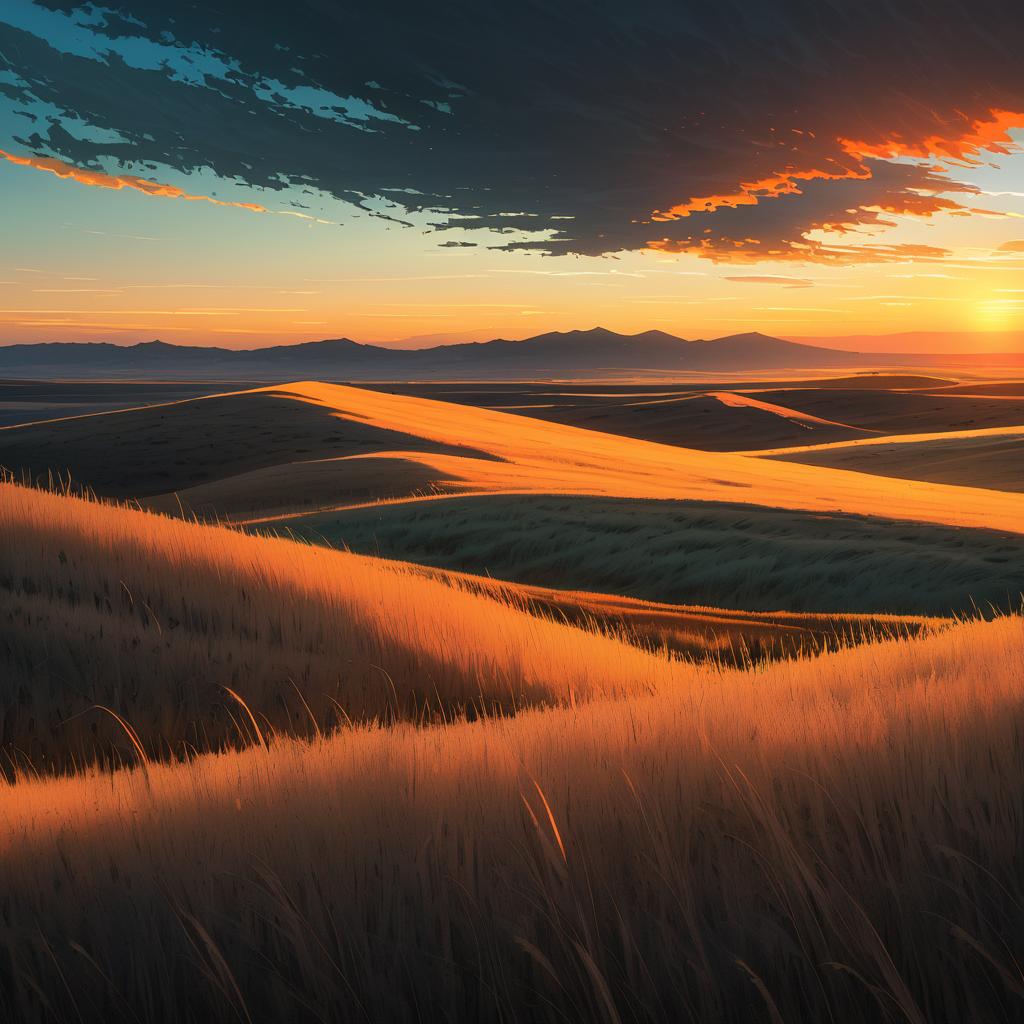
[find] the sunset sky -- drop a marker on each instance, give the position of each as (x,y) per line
(227,174)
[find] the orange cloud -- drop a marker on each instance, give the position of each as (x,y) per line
(749,251)
(99,179)
(752,192)
(965,144)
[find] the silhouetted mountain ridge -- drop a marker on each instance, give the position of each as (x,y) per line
(578,353)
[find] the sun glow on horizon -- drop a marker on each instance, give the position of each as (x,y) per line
(105,263)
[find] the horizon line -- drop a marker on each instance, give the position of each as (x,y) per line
(811,341)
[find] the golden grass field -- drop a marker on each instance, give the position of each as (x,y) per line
(249,779)
(835,837)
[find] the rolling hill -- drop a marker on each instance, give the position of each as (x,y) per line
(162,451)
(748,413)
(169,447)
(707,553)
(165,621)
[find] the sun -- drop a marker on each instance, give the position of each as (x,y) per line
(999,312)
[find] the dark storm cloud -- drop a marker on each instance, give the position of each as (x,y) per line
(594,127)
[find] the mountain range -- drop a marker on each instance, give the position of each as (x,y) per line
(587,354)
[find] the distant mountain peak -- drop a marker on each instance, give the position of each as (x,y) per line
(594,336)
(748,336)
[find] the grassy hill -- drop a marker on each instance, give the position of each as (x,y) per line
(333,786)
(748,412)
(201,636)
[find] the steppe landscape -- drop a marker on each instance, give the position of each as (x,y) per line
(511,512)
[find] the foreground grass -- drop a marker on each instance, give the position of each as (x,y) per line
(831,839)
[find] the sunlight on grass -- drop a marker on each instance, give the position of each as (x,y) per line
(842,831)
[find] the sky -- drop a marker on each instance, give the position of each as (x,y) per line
(248,174)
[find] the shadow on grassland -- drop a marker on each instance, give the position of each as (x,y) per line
(698,553)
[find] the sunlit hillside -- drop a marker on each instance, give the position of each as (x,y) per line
(173,446)
(246,778)
(200,636)
(539,457)
(165,451)
(749,410)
